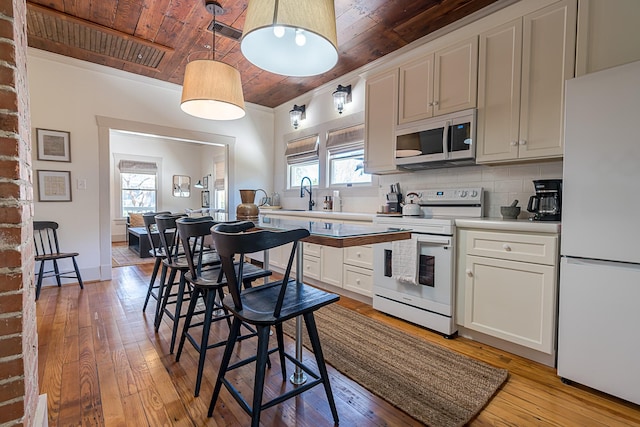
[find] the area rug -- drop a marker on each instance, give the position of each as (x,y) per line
(121,256)
(431,383)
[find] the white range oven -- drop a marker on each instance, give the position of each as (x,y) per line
(428,298)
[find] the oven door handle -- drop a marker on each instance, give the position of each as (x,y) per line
(427,238)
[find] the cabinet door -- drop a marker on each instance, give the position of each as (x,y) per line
(331,265)
(499,73)
(455,77)
(380,123)
(548,59)
(511,300)
(416,90)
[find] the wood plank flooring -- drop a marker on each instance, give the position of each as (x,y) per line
(102,364)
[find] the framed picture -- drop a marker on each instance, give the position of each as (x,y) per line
(54,145)
(181,186)
(205,182)
(205,199)
(54,186)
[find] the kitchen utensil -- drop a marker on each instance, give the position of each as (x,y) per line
(411,208)
(510,212)
(248,210)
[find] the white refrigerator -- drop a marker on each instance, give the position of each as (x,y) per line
(599,301)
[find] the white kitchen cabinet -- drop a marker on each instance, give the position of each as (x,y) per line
(357,275)
(439,83)
(523,65)
(279,257)
(607,34)
(381,111)
(510,287)
(330,265)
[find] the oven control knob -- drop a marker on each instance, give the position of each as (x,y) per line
(474,193)
(463,193)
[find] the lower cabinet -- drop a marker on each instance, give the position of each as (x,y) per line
(509,283)
(511,300)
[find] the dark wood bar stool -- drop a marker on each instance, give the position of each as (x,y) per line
(207,282)
(175,265)
(265,306)
(156,251)
(47,248)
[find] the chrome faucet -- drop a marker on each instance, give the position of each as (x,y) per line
(308,190)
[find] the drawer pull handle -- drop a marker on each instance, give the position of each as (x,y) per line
(469,273)
(358,254)
(358,281)
(506,247)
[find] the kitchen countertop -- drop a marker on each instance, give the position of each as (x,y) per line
(328,215)
(500,224)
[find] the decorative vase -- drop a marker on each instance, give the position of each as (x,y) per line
(248,210)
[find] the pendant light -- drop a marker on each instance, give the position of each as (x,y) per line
(291,37)
(212,89)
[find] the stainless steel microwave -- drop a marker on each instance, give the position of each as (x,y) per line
(447,140)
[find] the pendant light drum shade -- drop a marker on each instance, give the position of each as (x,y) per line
(291,37)
(212,90)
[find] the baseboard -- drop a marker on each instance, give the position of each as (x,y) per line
(41,418)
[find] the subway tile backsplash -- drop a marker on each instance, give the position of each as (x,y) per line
(502,184)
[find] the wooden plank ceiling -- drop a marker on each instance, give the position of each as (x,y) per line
(156,38)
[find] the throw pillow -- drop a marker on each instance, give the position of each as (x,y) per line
(136,220)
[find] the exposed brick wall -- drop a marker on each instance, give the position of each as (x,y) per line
(18,333)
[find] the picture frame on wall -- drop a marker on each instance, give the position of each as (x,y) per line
(205,182)
(54,186)
(53,145)
(205,199)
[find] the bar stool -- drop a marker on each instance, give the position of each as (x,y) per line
(265,306)
(156,251)
(175,264)
(207,282)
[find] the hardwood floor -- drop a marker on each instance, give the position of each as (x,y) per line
(101,363)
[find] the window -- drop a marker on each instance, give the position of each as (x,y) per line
(346,167)
(345,148)
(138,187)
(302,160)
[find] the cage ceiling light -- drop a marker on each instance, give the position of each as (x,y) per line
(212,89)
(297,114)
(341,96)
(291,37)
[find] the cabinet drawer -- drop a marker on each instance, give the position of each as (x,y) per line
(538,249)
(311,266)
(311,249)
(361,256)
(356,279)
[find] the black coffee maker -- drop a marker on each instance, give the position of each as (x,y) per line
(546,205)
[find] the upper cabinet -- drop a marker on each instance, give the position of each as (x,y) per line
(381,94)
(439,83)
(607,34)
(523,65)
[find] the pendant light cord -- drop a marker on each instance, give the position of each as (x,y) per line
(213,30)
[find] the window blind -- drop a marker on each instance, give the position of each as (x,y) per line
(346,139)
(135,166)
(302,149)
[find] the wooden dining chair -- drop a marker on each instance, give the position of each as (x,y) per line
(47,248)
(156,251)
(207,282)
(265,306)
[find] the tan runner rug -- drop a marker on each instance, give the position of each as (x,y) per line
(121,256)
(431,383)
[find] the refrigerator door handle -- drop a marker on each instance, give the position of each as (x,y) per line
(598,262)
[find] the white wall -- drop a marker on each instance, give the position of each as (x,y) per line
(503,183)
(70,95)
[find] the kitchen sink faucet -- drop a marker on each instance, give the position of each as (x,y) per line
(303,188)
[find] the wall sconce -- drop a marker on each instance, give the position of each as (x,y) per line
(341,96)
(203,184)
(297,114)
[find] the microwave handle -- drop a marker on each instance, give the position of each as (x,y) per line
(445,140)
